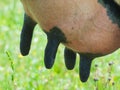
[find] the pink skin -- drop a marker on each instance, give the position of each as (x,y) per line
(85,23)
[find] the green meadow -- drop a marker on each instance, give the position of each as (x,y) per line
(29,73)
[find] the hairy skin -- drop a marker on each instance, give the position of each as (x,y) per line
(83,26)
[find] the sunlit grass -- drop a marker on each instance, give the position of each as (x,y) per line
(29,72)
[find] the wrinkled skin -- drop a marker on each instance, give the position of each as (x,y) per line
(87,27)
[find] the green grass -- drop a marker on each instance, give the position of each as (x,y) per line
(29,73)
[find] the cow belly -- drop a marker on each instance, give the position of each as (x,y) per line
(85,24)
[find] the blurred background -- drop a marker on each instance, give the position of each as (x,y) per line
(29,73)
